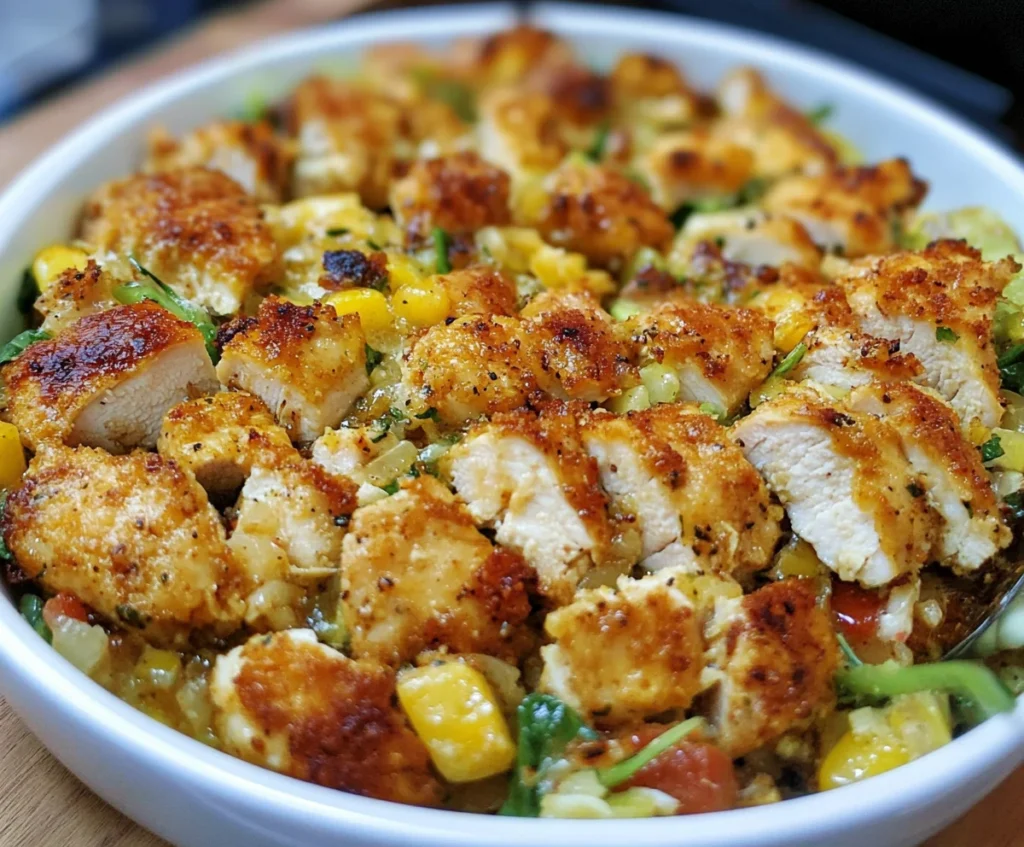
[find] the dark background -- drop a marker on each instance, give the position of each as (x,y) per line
(968,54)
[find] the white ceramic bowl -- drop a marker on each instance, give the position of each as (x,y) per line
(197,797)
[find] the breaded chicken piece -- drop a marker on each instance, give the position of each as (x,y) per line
(602,214)
(107,380)
(720,354)
(845,358)
(348,138)
(955,482)
(512,55)
(305,362)
(478,290)
(781,138)
(219,438)
(344,451)
(75,294)
(519,131)
(528,477)
(252,154)
(291,518)
(693,165)
(581,96)
(651,91)
(460,194)
(418,575)
(620,656)
(195,229)
(291,704)
(470,367)
(584,353)
(750,237)
(855,211)
(697,502)
(133,537)
(795,294)
(776,654)
(845,483)
(939,304)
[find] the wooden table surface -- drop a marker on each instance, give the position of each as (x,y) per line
(41,804)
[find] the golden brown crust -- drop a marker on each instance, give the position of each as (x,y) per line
(513,54)
(75,294)
(133,537)
(342,727)
(684,166)
(347,268)
(479,290)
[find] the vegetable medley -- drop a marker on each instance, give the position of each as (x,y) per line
(489,432)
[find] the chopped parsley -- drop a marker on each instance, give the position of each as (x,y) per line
(945,334)
(336,232)
(392,487)
(991,449)
(1011,368)
(442,243)
(430,414)
(373,358)
(600,144)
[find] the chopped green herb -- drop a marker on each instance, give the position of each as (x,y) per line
(20,343)
(391,417)
(458,96)
(791,360)
(1011,368)
(31,608)
(713,409)
(373,245)
(621,771)
(852,659)
(28,290)
(442,243)
(1015,503)
(945,334)
(373,358)
(392,487)
(821,113)
(336,232)
(753,191)
(430,414)
(597,149)
(991,449)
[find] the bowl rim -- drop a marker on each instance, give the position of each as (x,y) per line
(27,661)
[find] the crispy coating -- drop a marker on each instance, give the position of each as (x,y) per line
(252,154)
(519,131)
(720,354)
(107,380)
(584,354)
(460,194)
(602,214)
(418,575)
(939,304)
(698,502)
(956,483)
(753,239)
(776,654)
(847,487)
(527,476)
(855,211)
(623,655)
(219,438)
(194,228)
(479,290)
(511,55)
(846,358)
(471,366)
(301,708)
(75,294)
(305,362)
(581,96)
(133,537)
(652,91)
(693,165)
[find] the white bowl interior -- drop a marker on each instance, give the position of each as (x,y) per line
(42,206)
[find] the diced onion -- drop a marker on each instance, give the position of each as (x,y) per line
(388,466)
(661,382)
(85,646)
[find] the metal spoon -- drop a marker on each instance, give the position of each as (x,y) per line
(1003,586)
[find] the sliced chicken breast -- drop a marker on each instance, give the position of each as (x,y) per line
(845,359)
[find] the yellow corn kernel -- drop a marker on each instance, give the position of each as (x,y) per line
(1012,444)
(158,669)
(51,261)
(457,716)
(12,456)
(978,433)
(856,757)
(371,306)
(791,329)
(797,559)
(779,303)
(530,201)
(922,721)
(422,303)
(403,270)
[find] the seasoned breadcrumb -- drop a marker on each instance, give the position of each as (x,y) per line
(75,294)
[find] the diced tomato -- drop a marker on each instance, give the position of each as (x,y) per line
(698,775)
(66,606)
(856,610)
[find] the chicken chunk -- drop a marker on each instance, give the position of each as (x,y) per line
(845,483)
(682,167)
(620,656)
(697,501)
(939,304)
(775,654)
(651,91)
(108,380)
(513,54)
(418,575)
(195,229)
(470,367)
(301,708)
(252,154)
(955,482)
(528,477)
(519,131)
(855,211)
(305,362)
(584,354)
(478,290)
(460,194)
(602,214)
(133,537)
(75,294)
(846,358)
(219,438)
(752,238)
(719,354)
